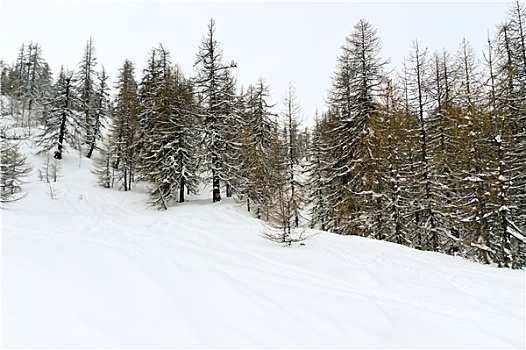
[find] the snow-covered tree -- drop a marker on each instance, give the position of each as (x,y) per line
(60,119)
(427,227)
(290,116)
(14,167)
(318,185)
(181,136)
(103,163)
(171,163)
(255,151)
(87,89)
(217,113)
(124,125)
(29,83)
(395,131)
(101,110)
(507,169)
(153,78)
(279,214)
(352,97)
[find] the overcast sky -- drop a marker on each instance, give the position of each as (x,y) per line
(281,42)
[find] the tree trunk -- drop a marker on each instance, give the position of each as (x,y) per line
(181,191)
(91,148)
(216,189)
(58,153)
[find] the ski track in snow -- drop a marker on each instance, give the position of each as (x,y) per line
(97,268)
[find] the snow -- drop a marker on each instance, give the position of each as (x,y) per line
(97,268)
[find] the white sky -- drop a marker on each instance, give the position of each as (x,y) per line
(281,42)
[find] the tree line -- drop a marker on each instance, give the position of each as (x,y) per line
(432,157)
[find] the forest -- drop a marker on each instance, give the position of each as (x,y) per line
(431,156)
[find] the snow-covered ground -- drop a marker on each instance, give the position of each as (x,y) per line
(96,268)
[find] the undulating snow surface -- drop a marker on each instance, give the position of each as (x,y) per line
(97,268)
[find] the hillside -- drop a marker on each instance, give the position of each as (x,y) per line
(96,268)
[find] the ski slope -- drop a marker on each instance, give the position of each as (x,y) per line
(96,268)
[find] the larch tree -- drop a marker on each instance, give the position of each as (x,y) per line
(153,78)
(14,167)
(217,109)
(60,120)
(295,198)
(124,125)
(318,186)
(30,82)
(426,229)
(171,163)
(507,112)
(471,153)
(232,135)
(103,163)
(102,114)
(444,128)
(355,87)
(394,133)
(85,88)
(184,137)
(257,134)
(155,96)
(280,215)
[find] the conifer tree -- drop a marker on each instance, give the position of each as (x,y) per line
(304,143)
(39,79)
(506,205)
(256,143)
(13,168)
(427,229)
(153,78)
(295,187)
(21,71)
(321,212)
(153,112)
(30,82)
(232,135)
(61,124)
(167,149)
(471,153)
(446,132)
(185,137)
(279,213)
(171,164)
(395,131)
(8,78)
(87,89)
(124,126)
(103,164)
(355,88)
(217,109)
(101,110)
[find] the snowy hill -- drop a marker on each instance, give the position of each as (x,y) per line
(97,268)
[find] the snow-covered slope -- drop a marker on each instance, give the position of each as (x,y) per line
(97,268)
